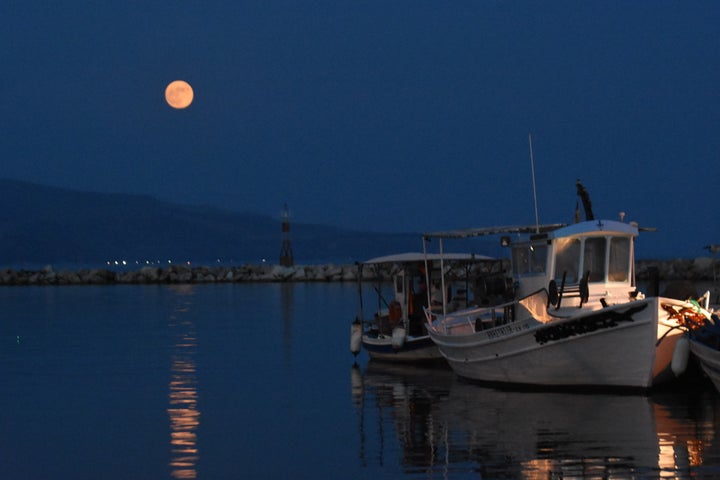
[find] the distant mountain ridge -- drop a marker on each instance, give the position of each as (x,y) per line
(42,224)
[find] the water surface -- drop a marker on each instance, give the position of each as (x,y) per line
(256,381)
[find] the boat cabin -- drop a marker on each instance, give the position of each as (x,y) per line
(584,264)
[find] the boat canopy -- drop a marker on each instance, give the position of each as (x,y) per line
(410,257)
(484,231)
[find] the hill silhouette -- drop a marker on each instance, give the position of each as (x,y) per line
(42,224)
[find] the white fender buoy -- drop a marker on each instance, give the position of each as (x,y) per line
(680,356)
(398,337)
(355,337)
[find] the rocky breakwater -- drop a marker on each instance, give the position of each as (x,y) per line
(700,269)
(680,278)
(692,270)
(179,274)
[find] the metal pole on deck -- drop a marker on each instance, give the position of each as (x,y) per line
(442,278)
(427,277)
(360,269)
(467,283)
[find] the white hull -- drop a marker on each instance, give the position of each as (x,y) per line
(414,349)
(611,347)
(709,359)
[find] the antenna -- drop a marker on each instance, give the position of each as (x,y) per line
(532,165)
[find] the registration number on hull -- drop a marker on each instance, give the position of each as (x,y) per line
(506,330)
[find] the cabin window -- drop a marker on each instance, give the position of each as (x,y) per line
(538,258)
(567,259)
(417,284)
(594,258)
(520,260)
(529,259)
(619,267)
(399,284)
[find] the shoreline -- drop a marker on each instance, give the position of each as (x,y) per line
(702,269)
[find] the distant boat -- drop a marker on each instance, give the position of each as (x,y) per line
(396,331)
(578,318)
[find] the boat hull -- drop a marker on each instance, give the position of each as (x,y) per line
(414,349)
(709,359)
(611,347)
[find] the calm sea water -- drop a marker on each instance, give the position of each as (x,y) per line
(257,381)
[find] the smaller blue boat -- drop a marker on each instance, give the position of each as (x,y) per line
(396,331)
(704,342)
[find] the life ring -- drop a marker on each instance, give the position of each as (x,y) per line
(394,312)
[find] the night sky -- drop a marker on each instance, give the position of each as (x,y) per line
(390,116)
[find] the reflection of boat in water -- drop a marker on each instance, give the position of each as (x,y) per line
(560,435)
(441,425)
(397,331)
(394,402)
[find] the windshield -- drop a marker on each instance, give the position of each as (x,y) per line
(619,268)
(567,259)
(604,258)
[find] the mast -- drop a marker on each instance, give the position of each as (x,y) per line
(532,165)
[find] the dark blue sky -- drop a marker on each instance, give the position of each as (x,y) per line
(376,115)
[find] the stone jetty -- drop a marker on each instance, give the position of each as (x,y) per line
(692,270)
(180,274)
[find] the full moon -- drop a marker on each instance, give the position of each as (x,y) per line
(179,94)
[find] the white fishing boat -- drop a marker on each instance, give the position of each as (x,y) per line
(578,318)
(396,330)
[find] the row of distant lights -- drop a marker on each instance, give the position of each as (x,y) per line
(124,263)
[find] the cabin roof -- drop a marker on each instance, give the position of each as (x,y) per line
(594,227)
